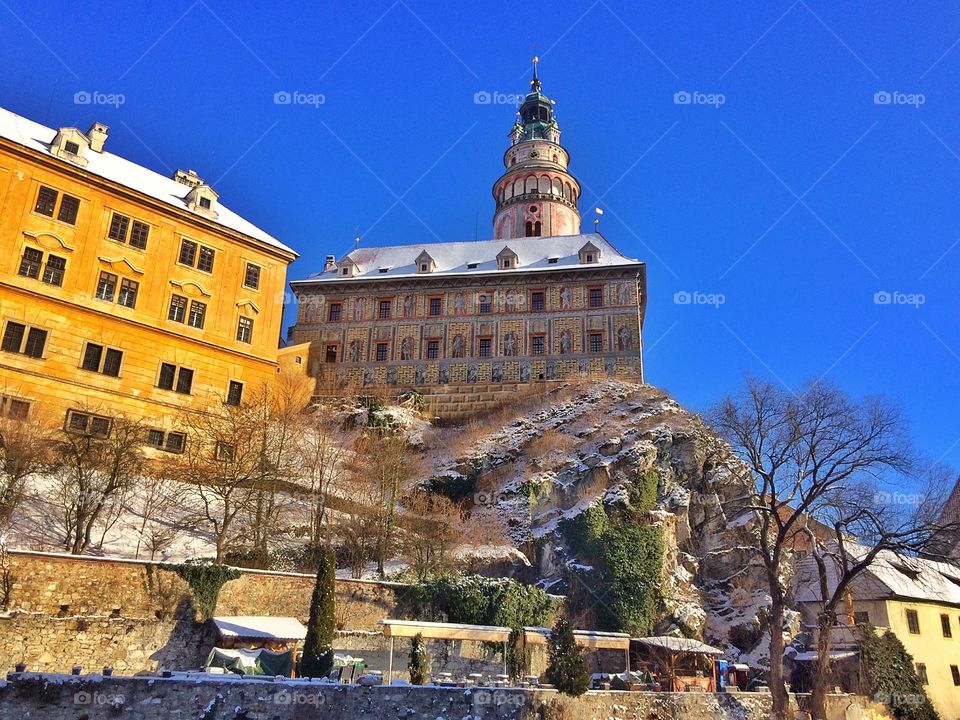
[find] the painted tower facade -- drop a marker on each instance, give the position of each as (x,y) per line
(536,196)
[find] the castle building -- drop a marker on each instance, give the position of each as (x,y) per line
(123,291)
(540,301)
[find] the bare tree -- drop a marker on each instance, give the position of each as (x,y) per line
(430,528)
(867,520)
(326,448)
(24,451)
(159,497)
(93,472)
(384,460)
(221,465)
(809,453)
(242,458)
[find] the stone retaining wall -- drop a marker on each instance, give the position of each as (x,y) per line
(29,697)
(139,616)
(65,585)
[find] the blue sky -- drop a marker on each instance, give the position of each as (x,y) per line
(787,188)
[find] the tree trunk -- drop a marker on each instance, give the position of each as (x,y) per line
(823,675)
(778,692)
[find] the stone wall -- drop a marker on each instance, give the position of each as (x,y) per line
(31,696)
(136,616)
(65,585)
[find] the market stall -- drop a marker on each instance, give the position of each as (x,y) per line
(678,658)
(443,631)
(256,645)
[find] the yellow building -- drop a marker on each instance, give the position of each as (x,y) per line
(123,291)
(917,599)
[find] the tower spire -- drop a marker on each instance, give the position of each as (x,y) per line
(536,195)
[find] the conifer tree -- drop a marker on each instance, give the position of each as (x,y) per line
(567,669)
(419,665)
(317,658)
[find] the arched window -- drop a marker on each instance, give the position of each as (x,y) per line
(555,157)
(531,184)
(529,229)
(544,185)
(536,229)
(518,188)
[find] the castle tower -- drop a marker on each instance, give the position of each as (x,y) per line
(536,196)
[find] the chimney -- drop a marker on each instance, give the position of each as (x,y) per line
(329,263)
(188,178)
(97,134)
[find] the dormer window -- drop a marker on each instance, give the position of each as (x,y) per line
(589,254)
(384,269)
(70,144)
(552,261)
(506,259)
(202,198)
(471,266)
(425,263)
(348,268)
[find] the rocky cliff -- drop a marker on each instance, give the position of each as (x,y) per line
(596,481)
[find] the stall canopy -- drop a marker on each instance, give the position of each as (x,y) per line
(442,631)
(260,628)
(679,645)
(252,662)
(589,639)
(670,649)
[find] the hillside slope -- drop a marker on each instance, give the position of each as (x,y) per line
(542,475)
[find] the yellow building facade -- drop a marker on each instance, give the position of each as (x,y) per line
(123,291)
(915,598)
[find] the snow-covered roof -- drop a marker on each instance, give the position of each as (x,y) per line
(679,645)
(112,167)
(474,257)
(259,627)
(891,575)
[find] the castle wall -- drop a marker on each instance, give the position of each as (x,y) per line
(451,332)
